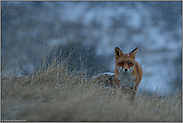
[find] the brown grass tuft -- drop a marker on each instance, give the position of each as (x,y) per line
(59,94)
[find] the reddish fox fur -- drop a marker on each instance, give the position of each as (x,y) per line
(128,72)
(127,75)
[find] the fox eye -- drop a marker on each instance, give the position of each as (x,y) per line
(122,63)
(129,63)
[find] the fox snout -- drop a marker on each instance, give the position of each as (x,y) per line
(125,70)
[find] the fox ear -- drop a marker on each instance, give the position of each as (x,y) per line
(133,52)
(118,52)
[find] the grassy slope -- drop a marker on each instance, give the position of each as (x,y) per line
(58,94)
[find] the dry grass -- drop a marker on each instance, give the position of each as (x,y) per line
(58,94)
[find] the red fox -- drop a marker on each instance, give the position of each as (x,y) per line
(127,75)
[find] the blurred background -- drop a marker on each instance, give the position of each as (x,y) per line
(33,30)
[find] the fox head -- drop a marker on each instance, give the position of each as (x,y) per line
(125,62)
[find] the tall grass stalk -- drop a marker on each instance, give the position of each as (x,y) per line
(58,93)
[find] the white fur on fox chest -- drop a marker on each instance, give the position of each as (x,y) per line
(126,79)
